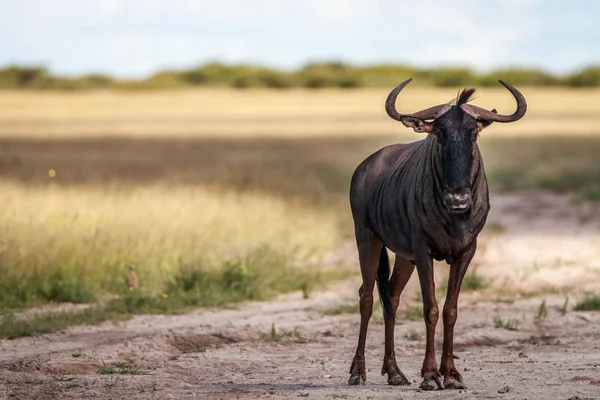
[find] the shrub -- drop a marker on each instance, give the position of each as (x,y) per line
(385,75)
(519,77)
(589,303)
(324,75)
(22,77)
(164,80)
(586,77)
(446,77)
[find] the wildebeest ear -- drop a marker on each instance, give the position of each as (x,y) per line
(417,124)
(484,123)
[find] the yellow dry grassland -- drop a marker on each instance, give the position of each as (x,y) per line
(225,195)
(275,113)
(94,234)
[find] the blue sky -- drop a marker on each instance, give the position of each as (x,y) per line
(135,38)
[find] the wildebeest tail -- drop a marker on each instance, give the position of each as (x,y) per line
(383,284)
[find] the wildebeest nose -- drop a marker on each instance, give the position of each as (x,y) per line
(459,197)
(458,200)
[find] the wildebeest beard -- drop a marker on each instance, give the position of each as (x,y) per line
(457,159)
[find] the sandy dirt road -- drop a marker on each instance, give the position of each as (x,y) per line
(543,248)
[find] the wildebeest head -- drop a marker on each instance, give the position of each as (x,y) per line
(456,127)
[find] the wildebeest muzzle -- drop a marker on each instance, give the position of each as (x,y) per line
(459,200)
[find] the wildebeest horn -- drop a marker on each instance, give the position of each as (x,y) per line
(480,113)
(429,113)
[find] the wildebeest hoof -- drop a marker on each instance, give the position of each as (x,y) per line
(428,384)
(451,383)
(431,381)
(398,379)
(395,376)
(357,371)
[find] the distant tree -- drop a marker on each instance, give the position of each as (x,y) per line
(196,76)
(22,77)
(331,74)
(447,77)
(386,75)
(166,79)
(98,81)
(586,77)
(519,76)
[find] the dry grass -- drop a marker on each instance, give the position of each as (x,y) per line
(86,237)
(289,113)
(242,191)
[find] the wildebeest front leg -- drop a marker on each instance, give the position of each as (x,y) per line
(369,250)
(431,374)
(403,270)
(452,378)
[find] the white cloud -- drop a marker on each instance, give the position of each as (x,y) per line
(136,37)
(107,7)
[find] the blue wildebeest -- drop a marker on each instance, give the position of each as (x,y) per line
(423,200)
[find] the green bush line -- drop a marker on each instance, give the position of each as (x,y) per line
(313,76)
(191,287)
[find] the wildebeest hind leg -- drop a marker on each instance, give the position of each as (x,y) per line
(403,270)
(369,250)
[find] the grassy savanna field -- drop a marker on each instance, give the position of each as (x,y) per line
(218,196)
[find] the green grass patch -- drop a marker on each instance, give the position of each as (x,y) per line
(190,345)
(474,281)
(590,302)
(12,326)
(413,334)
(190,288)
(37,289)
(542,311)
(255,278)
(590,193)
(509,324)
(414,313)
(563,310)
(121,369)
(276,335)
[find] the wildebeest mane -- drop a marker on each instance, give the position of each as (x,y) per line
(463,97)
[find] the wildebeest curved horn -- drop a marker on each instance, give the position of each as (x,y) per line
(429,113)
(480,113)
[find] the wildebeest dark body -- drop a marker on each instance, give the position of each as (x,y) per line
(422,200)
